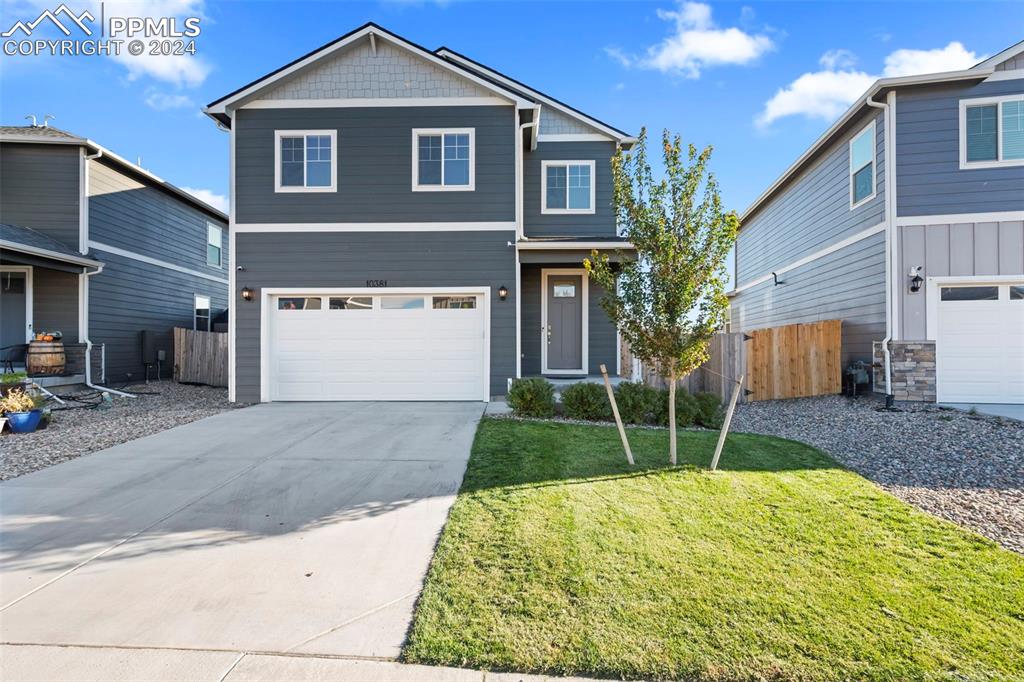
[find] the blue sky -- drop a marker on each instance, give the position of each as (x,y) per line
(759,81)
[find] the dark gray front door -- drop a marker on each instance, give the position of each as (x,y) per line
(12,308)
(565,322)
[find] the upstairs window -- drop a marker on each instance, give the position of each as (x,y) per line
(214,245)
(567,187)
(992,132)
(862,166)
(443,159)
(306,161)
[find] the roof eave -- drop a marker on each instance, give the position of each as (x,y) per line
(52,255)
(881,84)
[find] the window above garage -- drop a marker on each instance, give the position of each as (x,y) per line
(305,160)
(992,132)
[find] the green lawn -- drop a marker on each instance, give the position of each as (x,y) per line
(559,557)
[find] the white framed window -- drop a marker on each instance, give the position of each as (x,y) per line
(305,160)
(443,159)
(214,245)
(992,132)
(201,318)
(862,166)
(567,187)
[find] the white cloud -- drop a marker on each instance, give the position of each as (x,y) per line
(827,93)
(218,201)
(161,101)
(952,57)
(696,44)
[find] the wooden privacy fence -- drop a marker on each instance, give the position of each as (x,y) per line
(200,357)
(794,361)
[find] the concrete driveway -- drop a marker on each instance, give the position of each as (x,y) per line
(301,528)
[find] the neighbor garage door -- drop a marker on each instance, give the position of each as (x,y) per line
(980,343)
(380,347)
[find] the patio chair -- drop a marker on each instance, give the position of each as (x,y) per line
(11,354)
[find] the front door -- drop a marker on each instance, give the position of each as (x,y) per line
(13,307)
(564,332)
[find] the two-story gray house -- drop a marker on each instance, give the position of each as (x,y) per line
(906,221)
(409,224)
(101,250)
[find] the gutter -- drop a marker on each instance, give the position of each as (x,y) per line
(520,232)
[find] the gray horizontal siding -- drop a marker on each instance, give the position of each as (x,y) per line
(374,166)
(601,223)
(929,178)
(128,214)
(959,249)
(404,259)
(39,188)
(848,285)
(55,302)
(129,297)
(813,211)
(601,330)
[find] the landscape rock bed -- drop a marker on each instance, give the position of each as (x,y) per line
(967,468)
(72,433)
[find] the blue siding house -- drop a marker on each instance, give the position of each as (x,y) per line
(410,224)
(101,250)
(906,221)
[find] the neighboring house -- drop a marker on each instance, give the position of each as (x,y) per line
(412,225)
(906,221)
(101,250)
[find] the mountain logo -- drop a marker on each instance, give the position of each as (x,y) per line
(76,19)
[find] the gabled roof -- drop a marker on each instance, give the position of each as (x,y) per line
(997,59)
(537,95)
(51,135)
(217,108)
(35,243)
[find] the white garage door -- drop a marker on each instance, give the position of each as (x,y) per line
(380,347)
(980,343)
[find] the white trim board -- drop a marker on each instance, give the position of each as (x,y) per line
(28,272)
(585,331)
(153,261)
(374,227)
(573,137)
(832,248)
(954,218)
(569,246)
(266,294)
(367,102)
(81,261)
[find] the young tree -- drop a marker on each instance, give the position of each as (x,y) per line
(669,301)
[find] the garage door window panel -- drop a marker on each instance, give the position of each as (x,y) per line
(298,303)
(970,293)
(401,302)
(454,302)
(351,303)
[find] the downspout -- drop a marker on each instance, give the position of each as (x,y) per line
(890,233)
(84,282)
(520,231)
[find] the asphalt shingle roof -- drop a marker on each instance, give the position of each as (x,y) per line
(26,236)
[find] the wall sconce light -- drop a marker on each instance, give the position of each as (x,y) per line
(247,294)
(915,279)
(503,292)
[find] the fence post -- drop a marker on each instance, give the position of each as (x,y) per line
(728,421)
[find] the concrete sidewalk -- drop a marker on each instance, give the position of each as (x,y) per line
(31,663)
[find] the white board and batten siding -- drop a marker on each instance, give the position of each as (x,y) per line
(369,351)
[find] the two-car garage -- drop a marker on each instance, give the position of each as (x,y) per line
(376,345)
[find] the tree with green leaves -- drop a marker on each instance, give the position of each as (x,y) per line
(670,300)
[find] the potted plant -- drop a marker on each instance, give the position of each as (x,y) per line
(10,381)
(21,410)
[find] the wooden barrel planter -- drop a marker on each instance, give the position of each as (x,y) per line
(45,357)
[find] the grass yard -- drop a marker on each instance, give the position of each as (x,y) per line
(558,557)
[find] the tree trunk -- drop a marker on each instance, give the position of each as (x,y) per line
(672,418)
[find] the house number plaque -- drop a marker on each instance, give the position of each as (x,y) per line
(376,282)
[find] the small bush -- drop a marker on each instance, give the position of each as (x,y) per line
(18,401)
(587,401)
(533,397)
(686,408)
(638,403)
(710,413)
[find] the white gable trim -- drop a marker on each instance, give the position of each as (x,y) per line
(1001,57)
(221,106)
(593,123)
(355,102)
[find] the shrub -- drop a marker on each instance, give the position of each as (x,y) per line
(686,408)
(638,402)
(18,401)
(710,414)
(533,397)
(587,401)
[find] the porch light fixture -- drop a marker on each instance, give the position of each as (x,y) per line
(915,279)
(503,292)
(247,294)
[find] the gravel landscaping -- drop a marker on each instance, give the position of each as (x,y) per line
(963,467)
(76,432)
